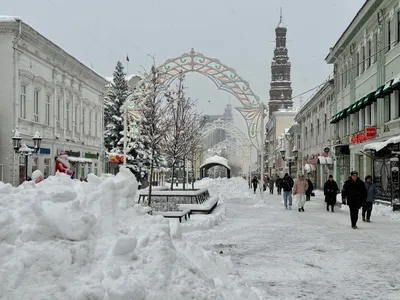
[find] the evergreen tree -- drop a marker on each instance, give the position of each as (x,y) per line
(113,116)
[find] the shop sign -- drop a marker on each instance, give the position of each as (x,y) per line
(69,153)
(368,134)
(44,151)
(92,155)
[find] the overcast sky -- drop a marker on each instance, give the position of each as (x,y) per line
(239,33)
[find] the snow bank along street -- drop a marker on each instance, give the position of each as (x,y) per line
(65,239)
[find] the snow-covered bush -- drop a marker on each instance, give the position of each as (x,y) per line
(236,187)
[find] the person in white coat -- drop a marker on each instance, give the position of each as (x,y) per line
(299,190)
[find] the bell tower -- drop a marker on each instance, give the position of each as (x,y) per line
(280,93)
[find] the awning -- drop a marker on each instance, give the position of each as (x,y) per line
(369,99)
(309,168)
(360,104)
(378,146)
(325,160)
(80,160)
(379,92)
(352,109)
(335,119)
(396,81)
(387,89)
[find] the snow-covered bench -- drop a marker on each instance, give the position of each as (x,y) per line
(175,214)
(204,208)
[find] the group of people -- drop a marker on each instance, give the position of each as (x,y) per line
(355,193)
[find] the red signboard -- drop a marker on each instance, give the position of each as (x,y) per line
(368,134)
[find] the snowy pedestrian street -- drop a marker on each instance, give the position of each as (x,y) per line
(307,255)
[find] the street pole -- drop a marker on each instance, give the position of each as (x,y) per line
(26,166)
(290,167)
(262,149)
(125,131)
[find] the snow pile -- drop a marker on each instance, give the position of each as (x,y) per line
(380,210)
(225,188)
(204,222)
(66,239)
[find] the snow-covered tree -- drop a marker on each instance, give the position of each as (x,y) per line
(154,110)
(113,102)
(180,111)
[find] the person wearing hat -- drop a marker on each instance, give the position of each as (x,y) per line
(371,196)
(287,185)
(356,194)
(330,192)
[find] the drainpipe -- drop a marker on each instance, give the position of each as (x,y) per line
(16,82)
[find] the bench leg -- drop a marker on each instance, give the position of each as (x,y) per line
(185,217)
(180,219)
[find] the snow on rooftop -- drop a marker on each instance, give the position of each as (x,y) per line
(378,146)
(9,19)
(127,77)
(216,159)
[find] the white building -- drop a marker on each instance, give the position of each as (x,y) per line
(278,123)
(44,88)
(366,61)
(315,147)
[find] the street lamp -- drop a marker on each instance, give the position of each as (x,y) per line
(23,149)
(290,160)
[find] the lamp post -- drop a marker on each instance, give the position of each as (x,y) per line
(23,149)
(290,159)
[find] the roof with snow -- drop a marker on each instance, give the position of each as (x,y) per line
(378,146)
(9,19)
(127,77)
(216,160)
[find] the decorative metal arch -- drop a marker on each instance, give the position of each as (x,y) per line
(231,144)
(226,79)
(229,127)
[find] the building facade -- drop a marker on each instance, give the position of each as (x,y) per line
(315,156)
(218,135)
(276,128)
(366,61)
(43,88)
(280,94)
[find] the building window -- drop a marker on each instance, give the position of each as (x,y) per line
(363,60)
(389,33)
(58,112)
(36,105)
(90,123)
(47,110)
(358,64)
(376,47)
(22,102)
(47,162)
(68,116)
(398,26)
(83,120)
(369,59)
(96,124)
(387,104)
(76,119)
(35,163)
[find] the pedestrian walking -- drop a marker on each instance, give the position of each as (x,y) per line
(309,190)
(300,188)
(271,185)
(287,185)
(371,196)
(254,183)
(330,191)
(278,183)
(355,192)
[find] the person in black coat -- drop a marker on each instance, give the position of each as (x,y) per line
(330,191)
(254,182)
(356,194)
(309,190)
(278,183)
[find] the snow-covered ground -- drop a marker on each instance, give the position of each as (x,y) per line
(309,255)
(64,239)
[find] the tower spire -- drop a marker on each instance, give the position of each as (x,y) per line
(281,17)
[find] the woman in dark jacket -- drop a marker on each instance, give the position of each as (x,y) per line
(371,196)
(330,191)
(309,190)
